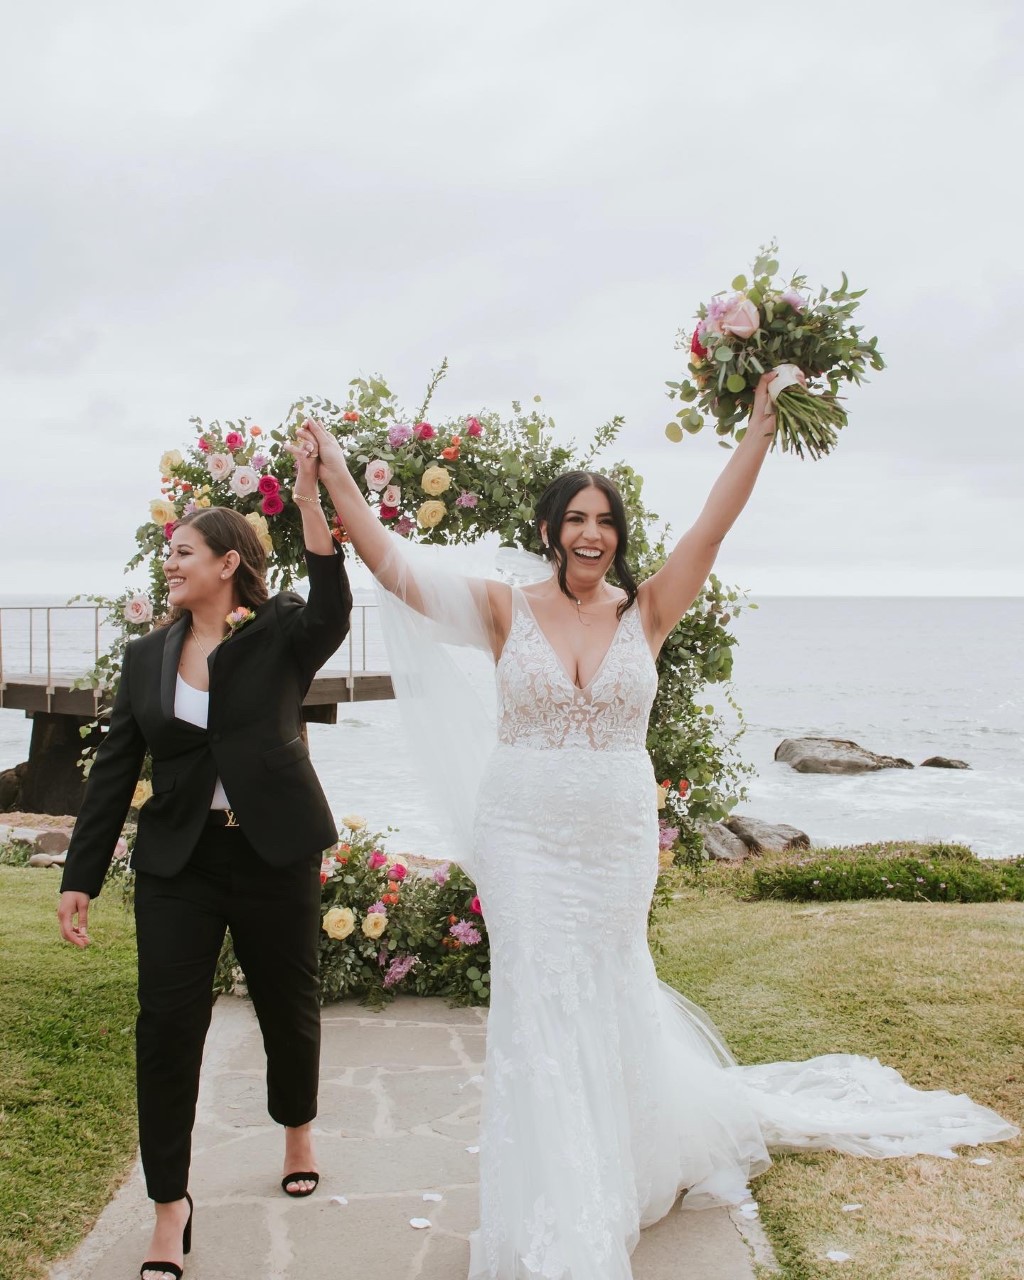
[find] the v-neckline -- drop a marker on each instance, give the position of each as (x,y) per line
(580,688)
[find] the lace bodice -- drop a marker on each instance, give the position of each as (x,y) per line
(539,706)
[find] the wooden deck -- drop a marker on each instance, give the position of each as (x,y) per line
(32,694)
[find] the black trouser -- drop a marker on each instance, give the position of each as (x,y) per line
(274,917)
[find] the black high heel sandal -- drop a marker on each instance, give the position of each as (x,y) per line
(297,1194)
(172,1268)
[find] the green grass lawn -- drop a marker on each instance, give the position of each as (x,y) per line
(935,990)
(67,1070)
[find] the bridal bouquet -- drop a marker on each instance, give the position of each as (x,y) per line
(768,324)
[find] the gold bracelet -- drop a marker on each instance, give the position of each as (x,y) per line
(299,497)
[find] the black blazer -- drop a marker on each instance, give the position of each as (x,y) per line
(258,677)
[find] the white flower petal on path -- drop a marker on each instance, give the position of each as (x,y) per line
(339,1200)
(981,1160)
(432,1195)
(473,1150)
(852,1208)
(837,1255)
(419,1223)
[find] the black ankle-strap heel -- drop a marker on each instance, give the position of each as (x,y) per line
(172,1268)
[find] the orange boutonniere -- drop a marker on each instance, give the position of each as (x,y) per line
(237,618)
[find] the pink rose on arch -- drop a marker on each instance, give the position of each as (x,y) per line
(233,440)
(203,445)
(473,427)
(742,319)
(272,505)
(423,431)
(139,609)
(388,513)
(378,474)
(796,300)
(169,529)
(392,495)
(376,859)
(475,906)
(397,872)
(441,874)
(269,485)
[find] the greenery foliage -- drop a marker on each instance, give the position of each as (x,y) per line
(451,483)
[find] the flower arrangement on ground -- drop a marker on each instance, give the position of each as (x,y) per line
(767,324)
(388,927)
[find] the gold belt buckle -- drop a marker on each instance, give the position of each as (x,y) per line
(231,818)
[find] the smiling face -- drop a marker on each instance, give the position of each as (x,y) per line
(195,575)
(588,535)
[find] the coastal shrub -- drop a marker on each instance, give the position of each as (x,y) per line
(930,878)
(15,853)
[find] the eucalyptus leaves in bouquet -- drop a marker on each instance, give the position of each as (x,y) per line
(764,324)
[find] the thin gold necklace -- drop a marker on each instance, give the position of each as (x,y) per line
(205,652)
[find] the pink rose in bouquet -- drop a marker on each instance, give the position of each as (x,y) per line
(424,431)
(233,441)
(473,427)
(268,485)
(742,319)
(376,859)
(272,505)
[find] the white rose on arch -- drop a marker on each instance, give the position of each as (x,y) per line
(244,481)
(220,465)
(378,474)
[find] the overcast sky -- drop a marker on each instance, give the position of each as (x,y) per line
(214,208)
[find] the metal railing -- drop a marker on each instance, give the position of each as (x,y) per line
(43,643)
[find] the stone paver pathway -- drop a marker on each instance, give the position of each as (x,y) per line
(399,1106)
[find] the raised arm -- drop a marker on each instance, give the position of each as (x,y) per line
(376,547)
(665,597)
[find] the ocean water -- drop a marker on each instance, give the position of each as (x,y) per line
(906,677)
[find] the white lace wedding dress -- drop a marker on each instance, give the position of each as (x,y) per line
(606,1093)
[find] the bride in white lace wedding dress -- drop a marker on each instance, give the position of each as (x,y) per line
(606,1093)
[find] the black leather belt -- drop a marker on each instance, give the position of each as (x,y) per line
(222,818)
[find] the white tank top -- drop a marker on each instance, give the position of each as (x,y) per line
(193,706)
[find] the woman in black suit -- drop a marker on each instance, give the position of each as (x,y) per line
(231,838)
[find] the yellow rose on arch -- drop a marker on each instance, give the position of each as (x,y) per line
(436,480)
(162,511)
(431,514)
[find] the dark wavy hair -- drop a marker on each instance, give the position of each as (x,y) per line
(224,529)
(550,510)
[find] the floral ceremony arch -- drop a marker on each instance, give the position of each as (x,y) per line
(453,482)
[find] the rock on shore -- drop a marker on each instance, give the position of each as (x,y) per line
(766,837)
(834,755)
(721,844)
(943,762)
